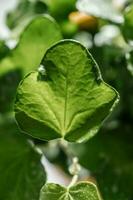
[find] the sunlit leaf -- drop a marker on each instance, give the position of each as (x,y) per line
(37,37)
(69,101)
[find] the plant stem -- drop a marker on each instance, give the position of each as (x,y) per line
(73,181)
(64,146)
(75,167)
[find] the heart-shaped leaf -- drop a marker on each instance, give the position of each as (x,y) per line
(70,101)
(107,10)
(81,191)
(21,172)
(37,37)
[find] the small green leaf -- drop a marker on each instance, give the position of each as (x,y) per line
(81,191)
(70,101)
(38,36)
(107,9)
(21,172)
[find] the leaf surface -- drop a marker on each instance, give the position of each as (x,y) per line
(82,191)
(21,172)
(40,33)
(70,101)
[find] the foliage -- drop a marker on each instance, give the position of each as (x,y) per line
(25,57)
(21,173)
(82,190)
(112,165)
(25,10)
(61,95)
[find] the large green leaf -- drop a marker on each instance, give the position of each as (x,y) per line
(104,9)
(108,156)
(81,191)
(21,172)
(38,36)
(70,101)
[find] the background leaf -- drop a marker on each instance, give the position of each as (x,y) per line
(60,9)
(33,43)
(4,50)
(21,172)
(23,11)
(39,35)
(108,157)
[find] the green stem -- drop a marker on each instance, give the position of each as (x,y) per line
(73,181)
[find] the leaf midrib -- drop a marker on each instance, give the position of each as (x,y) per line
(65,105)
